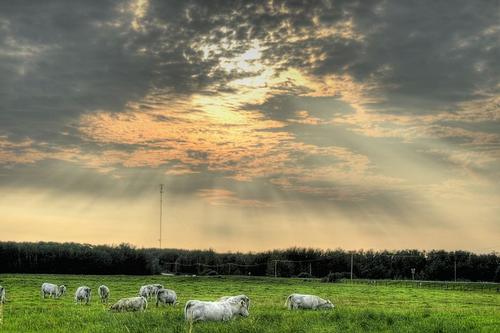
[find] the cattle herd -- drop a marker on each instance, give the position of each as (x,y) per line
(223,309)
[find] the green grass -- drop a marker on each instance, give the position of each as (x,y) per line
(359,307)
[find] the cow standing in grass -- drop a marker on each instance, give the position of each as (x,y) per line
(103,293)
(299,301)
(166,296)
(145,291)
(150,290)
(214,311)
(130,304)
(82,295)
(2,295)
(52,290)
(155,288)
(62,290)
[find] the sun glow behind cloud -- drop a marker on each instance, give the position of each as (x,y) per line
(241,142)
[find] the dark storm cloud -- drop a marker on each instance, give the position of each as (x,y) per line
(59,59)
(283,107)
(426,55)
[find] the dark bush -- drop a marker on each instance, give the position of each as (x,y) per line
(304,275)
(496,278)
(335,277)
(209,272)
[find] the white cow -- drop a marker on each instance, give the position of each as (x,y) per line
(2,295)
(150,290)
(166,296)
(82,294)
(299,301)
(52,290)
(145,291)
(214,311)
(103,293)
(236,298)
(130,304)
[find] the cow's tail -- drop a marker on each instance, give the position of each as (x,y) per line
(187,314)
(288,301)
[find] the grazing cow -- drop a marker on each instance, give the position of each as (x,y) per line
(52,290)
(103,293)
(145,291)
(214,311)
(156,288)
(298,301)
(2,295)
(166,296)
(82,294)
(236,299)
(130,304)
(150,290)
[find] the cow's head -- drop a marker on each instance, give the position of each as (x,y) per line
(62,289)
(242,309)
(327,305)
(247,300)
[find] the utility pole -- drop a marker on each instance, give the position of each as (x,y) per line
(310,269)
(275,268)
(352,261)
(161,210)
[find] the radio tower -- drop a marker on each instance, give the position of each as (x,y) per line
(161,209)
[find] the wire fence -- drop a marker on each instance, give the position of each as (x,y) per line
(351,266)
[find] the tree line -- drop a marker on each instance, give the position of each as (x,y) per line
(74,258)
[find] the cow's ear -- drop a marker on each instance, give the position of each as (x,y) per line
(242,302)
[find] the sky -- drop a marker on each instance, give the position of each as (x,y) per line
(325,124)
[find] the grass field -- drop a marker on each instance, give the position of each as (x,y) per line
(359,307)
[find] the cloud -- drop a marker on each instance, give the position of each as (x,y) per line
(222,197)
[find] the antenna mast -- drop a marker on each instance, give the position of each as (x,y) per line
(161,210)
